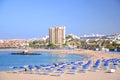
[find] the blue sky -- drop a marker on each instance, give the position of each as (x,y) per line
(33,18)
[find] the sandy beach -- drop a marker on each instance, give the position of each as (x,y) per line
(89,75)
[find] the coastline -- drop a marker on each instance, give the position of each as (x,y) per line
(90,53)
(99,75)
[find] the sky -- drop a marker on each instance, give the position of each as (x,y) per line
(32,18)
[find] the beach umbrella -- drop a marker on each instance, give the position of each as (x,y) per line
(43,65)
(80,63)
(63,66)
(21,67)
(74,67)
(52,66)
(56,64)
(37,67)
(48,69)
(48,65)
(59,69)
(62,63)
(30,67)
(13,67)
(72,62)
(25,66)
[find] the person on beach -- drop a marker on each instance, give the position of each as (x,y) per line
(25,69)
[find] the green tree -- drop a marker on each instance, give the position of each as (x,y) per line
(51,45)
(37,44)
(116,45)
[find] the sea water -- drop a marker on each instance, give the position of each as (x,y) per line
(46,58)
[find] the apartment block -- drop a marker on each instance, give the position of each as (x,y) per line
(57,35)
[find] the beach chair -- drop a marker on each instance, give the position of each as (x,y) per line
(30,67)
(47,71)
(106,65)
(80,63)
(14,69)
(22,69)
(96,65)
(73,70)
(86,66)
(38,69)
(60,72)
(63,68)
(115,65)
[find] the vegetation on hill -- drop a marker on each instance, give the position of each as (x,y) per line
(77,43)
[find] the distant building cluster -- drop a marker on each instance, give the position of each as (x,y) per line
(114,37)
(102,37)
(93,35)
(12,43)
(57,35)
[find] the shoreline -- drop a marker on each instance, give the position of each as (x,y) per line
(94,55)
(90,53)
(66,51)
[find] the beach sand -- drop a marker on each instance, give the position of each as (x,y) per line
(90,75)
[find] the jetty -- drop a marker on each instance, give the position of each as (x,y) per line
(25,52)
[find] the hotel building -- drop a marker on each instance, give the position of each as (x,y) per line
(57,35)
